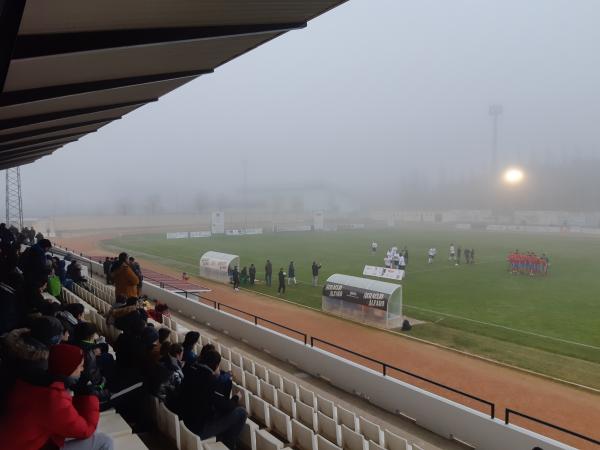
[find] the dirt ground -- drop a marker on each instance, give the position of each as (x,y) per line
(557,403)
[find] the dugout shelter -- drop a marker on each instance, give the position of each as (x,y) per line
(217,266)
(372,302)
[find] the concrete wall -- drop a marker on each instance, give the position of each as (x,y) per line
(443,417)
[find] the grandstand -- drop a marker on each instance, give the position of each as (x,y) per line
(68,68)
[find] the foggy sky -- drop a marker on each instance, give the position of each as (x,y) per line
(370,93)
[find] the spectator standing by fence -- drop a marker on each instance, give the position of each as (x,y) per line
(135,266)
(106,268)
(125,279)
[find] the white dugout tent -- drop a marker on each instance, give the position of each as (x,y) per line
(217,266)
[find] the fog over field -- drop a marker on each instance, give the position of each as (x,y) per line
(386,97)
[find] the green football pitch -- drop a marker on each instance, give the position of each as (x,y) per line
(549,324)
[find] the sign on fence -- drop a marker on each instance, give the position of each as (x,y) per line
(383,272)
(178,235)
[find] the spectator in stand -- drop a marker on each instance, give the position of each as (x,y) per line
(34,300)
(56,416)
(74,272)
(291,273)
(204,410)
(86,337)
(106,268)
(189,341)
(315,273)
(135,266)
(268,273)
(252,274)
(129,349)
(38,236)
(71,315)
(33,262)
(163,340)
(7,239)
(225,381)
(171,365)
(281,280)
(125,279)
(235,278)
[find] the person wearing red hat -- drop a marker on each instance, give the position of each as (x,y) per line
(45,415)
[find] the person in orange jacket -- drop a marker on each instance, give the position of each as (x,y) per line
(125,280)
(43,414)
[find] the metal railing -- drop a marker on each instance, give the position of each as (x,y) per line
(509,411)
(385,367)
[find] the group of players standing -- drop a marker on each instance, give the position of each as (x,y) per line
(528,263)
(455,254)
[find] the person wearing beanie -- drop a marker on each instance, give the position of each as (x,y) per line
(57,415)
(85,336)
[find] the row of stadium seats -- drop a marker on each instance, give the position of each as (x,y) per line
(283,411)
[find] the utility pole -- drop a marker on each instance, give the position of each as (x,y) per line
(14,199)
(495,112)
(245,193)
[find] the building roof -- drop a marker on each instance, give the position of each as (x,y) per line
(70,67)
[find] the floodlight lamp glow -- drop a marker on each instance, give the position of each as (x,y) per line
(513,176)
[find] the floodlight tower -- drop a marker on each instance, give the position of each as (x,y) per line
(14,199)
(495,112)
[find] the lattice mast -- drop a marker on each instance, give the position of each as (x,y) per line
(14,199)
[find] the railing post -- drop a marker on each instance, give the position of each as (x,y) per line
(493,410)
(384,369)
(506,412)
(312,342)
(255,320)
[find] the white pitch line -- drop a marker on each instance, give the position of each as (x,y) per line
(505,327)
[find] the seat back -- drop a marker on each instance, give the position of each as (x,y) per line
(266,441)
(303,438)
(370,430)
(394,442)
(280,423)
(328,428)
(324,444)
(351,440)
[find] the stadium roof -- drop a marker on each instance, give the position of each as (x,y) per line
(70,67)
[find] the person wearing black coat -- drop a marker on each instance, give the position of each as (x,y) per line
(33,262)
(281,279)
(235,277)
(252,274)
(203,409)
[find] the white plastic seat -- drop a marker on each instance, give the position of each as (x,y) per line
(351,440)
(286,403)
(370,430)
(189,440)
(306,395)
(266,441)
(225,365)
(261,372)
(327,407)
(205,340)
(236,358)
(373,446)
(416,447)
(225,352)
(303,438)
(258,410)
(171,425)
(394,442)
(251,383)
(129,442)
(113,425)
(280,424)
(248,364)
(305,414)
(289,387)
(328,428)
(324,444)
(248,435)
(267,392)
(237,373)
(275,379)
(244,396)
(215,446)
